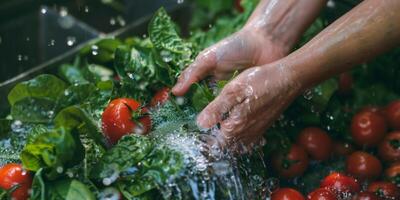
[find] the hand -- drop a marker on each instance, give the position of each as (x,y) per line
(251,102)
(241,50)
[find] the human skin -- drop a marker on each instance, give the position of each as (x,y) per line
(269,34)
(257,96)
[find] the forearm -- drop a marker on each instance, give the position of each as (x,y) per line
(284,21)
(366,31)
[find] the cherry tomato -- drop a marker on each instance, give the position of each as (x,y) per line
(238,6)
(292,164)
(363,165)
(321,194)
(392,112)
(368,128)
(365,196)
(340,183)
(12,174)
(389,148)
(124,116)
(345,83)
(393,173)
(287,194)
(316,142)
(160,97)
(342,148)
(384,190)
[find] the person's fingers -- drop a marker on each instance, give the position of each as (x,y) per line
(237,120)
(217,109)
(201,67)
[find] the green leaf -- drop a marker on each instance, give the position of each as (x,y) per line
(166,40)
(74,117)
(76,94)
(33,109)
(70,189)
(202,96)
(51,150)
(38,186)
(130,150)
(72,74)
(101,51)
(43,86)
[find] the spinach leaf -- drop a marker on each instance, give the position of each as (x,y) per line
(70,189)
(33,109)
(52,150)
(129,151)
(43,86)
(72,73)
(202,96)
(166,40)
(74,117)
(101,51)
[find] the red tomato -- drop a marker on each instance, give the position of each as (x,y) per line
(287,194)
(160,98)
(12,174)
(291,164)
(389,148)
(365,196)
(316,142)
(238,6)
(363,165)
(342,148)
(393,173)
(345,83)
(124,116)
(321,194)
(384,189)
(368,128)
(392,112)
(340,183)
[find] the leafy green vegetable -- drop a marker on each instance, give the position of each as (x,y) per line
(51,150)
(101,51)
(70,189)
(43,86)
(166,40)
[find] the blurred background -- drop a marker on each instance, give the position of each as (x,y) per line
(33,32)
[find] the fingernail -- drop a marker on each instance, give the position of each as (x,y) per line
(177,87)
(201,121)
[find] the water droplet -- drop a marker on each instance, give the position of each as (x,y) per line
(210,26)
(71,40)
(110,193)
(95,49)
(59,169)
(330,4)
(139,130)
(121,21)
(28,39)
(180,1)
(52,42)
(19,57)
(180,100)
(43,10)
(308,95)
(113,21)
(166,56)
(86,9)
(63,11)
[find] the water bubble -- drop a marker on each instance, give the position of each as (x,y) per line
(308,95)
(63,11)
(330,4)
(59,169)
(180,100)
(51,43)
(113,21)
(166,56)
(121,21)
(95,49)
(71,40)
(43,10)
(110,193)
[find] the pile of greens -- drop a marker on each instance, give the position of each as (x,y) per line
(54,125)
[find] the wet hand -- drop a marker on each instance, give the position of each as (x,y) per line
(251,102)
(241,50)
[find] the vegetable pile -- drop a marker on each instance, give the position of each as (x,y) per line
(107,127)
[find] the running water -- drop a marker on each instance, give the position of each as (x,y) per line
(210,172)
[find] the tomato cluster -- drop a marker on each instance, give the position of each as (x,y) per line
(372,159)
